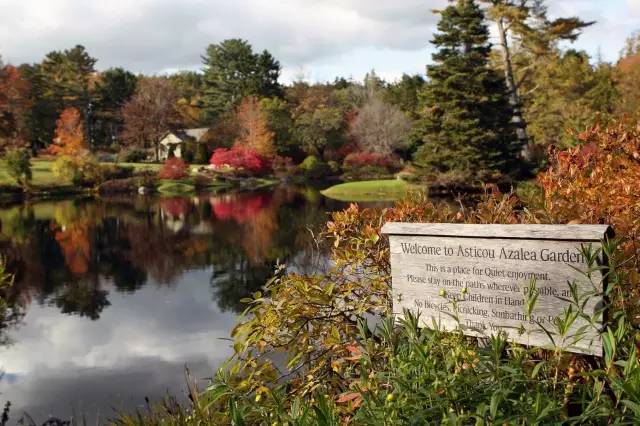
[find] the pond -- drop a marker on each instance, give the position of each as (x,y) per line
(114,297)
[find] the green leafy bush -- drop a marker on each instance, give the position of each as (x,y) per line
(82,170)
(134,156)
(334,166)
(19,166)
(314,168)
(113,171)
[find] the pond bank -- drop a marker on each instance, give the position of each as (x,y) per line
(395,189)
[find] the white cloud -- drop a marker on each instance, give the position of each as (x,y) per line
(322,36)
(160,35)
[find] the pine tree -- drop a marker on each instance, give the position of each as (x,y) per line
(233,71)
(466,124)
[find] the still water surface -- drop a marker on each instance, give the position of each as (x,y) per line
(115,296)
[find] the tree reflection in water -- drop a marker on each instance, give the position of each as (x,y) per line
(73,254)
(113,296)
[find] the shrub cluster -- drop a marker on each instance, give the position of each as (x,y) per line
(113,171)
(241,160)
(365,159)
(368,165)
(174,169)
(134,156)
(82,170)
(19,165)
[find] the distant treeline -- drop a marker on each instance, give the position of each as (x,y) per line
(480,109)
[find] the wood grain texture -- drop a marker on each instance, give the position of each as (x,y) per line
(478,284)
(464,230)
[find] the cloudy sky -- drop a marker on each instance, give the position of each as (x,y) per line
(316,39)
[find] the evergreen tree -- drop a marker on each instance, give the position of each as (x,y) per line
(62,80)
(466,124)
(404,94)
(233,72)
(113,89)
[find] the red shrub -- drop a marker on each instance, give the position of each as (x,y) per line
(241,159)
(174,168)
(363,159)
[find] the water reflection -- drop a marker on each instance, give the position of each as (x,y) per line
(114,289)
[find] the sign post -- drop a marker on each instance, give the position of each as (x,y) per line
(477,278)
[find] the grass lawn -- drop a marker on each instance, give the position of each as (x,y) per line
(369,190)
(42,174)
(176,187)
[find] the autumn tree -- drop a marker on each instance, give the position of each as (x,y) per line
(69,137)
(380,127)
(597,182)
(254,133)
(233,71)
(150,113)
(466,126)
(15,105)
(572,94)
(526,23)
(319,120)
(627,73)
(280,122)
(190,86)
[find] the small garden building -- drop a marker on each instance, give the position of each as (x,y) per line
(173,143)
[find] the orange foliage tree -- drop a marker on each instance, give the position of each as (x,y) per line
(254,133)
(69,138)
(628,80)
(598,181)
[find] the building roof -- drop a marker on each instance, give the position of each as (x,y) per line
(197,134)
(184,134)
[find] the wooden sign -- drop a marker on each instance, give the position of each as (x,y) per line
(477,277)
